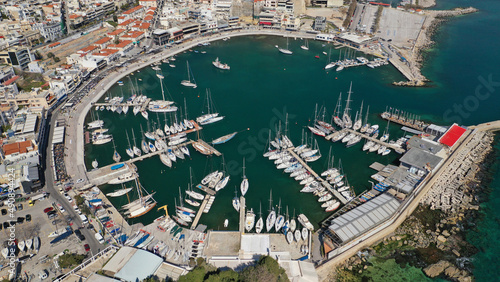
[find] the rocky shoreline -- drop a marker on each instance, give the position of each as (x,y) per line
(424,42)
(433,238)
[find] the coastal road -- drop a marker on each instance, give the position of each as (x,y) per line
(56,196)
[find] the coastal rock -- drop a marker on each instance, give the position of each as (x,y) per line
(445,233)
(455,252)
(465,279)
(452,272)
(436,269)
(441,238)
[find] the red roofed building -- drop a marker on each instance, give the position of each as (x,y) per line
(126,24)
(124,46)
(54,45)
(117,32)
(18,148)
(133,35)
(148,18)
(103,42)
(140,26)
(12,80)
(134,12)
(452,135)
(107,54)
(147,3)
(87,49)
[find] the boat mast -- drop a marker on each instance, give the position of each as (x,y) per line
(360,111)
(244,176)
(348,101)
(270,200)
(366,117)
(128,140)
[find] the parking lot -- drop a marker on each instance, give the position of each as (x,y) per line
(39,226)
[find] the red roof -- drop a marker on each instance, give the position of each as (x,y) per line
(133,34)
(127,22)
(87,49)
(10,81)
(380,4)
(122,44)
(116,32)
(102,40)
(133,10)
(452,135)
(54,44)
(18,147)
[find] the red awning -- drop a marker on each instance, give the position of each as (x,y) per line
(265,23)
(452,135)
(10,81)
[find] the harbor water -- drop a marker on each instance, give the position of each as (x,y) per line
(263,85)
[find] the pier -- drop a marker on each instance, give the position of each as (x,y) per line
(212,149)
(200,211)
(104,174)
(157,152)
(242,214)
(205,189)
(318,178)
(412,123)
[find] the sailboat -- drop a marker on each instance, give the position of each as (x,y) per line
(366,125)
(306,45)
(223,182)
(137,151)
(346,118)
(190,192)
(271,218)
(129,150)
(358,121)
(119,192)
(249,220)
(336,118)
(285,51)
(188,82)
(244,182)
(116,156)
(209,117)
(280,219)
(144,144)
(260,223)
(385,137)
(161,105)
(142,205)
(236,201)
(293,223)
(224,139)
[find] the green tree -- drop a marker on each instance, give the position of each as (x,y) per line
(50,55)
(223,276)
(196,275)
(115,18)
(68,260)
(56,59)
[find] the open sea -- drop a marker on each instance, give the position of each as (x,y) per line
(263,86)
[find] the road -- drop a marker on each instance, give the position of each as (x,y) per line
(55,195)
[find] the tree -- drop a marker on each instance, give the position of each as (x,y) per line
(38,56)
(115,18)
(50,55)
(56,59)
(68,260)
(196,275)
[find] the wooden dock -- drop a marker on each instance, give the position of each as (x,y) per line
(206,189)
(212,149)
(242,214)
(196,127)
(317,177)
(200,212)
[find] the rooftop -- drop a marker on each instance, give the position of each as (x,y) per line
(419,158)
(18,147)
(424,144)
(452,135)
(123,43)
(364,217)
(103,40)
(133,10)
(132,264)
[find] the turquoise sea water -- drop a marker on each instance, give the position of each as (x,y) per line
(262,85)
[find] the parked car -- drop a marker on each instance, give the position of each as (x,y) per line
(4,211)
(48,209)
(28,217)
(20,207)
(79,234)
